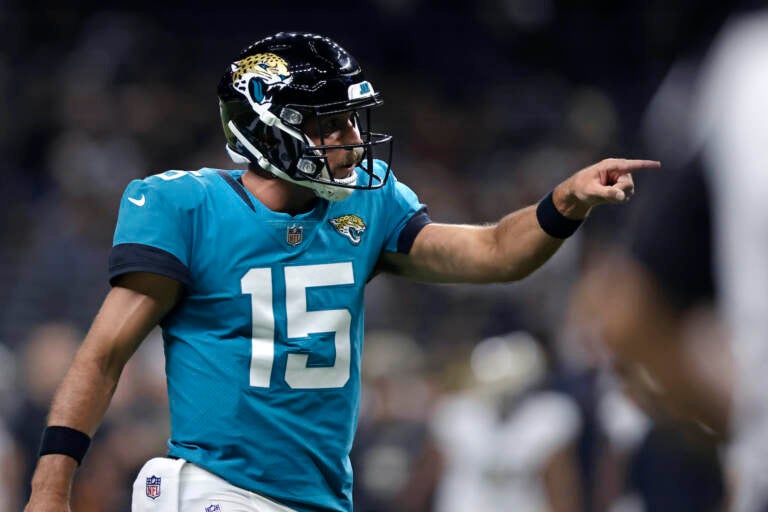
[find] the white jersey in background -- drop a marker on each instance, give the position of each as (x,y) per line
(732,126)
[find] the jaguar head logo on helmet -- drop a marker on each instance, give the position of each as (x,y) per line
(283,84)
(255,75)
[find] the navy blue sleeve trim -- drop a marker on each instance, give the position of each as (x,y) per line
(126,258)
(409,232)
(237,188)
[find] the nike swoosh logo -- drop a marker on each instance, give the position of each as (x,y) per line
(138,202)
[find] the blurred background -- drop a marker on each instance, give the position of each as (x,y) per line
(475,398)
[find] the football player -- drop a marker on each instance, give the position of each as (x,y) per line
(257,280)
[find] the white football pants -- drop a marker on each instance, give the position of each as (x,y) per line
(175,485)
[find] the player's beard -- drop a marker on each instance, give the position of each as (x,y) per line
(354,157)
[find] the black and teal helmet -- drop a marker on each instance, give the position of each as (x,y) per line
(284,81)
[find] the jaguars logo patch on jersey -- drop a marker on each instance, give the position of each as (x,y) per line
(255,75)
(350,226)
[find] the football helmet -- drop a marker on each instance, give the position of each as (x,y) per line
(284,81)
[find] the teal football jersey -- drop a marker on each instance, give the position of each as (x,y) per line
(263,352)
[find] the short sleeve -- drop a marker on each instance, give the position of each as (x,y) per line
(153,232)
(407,216)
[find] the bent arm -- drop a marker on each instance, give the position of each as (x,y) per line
(129,312)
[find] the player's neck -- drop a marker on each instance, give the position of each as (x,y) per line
(279,195)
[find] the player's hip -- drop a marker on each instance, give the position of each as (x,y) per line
(175,485)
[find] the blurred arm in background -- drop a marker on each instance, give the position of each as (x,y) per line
(652,304)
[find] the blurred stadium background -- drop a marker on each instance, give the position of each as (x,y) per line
(491,103)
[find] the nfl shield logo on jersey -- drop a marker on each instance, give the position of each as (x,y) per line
(213,508)
(153,487)
(295,234)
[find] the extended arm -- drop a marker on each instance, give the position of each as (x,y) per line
(128,313)
(517,245)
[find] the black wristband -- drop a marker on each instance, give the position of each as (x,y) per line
(64,441)
(554,223)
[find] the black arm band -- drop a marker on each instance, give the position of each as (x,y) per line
(554,223)
(64,441)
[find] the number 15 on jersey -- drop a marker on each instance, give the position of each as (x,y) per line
(257,283)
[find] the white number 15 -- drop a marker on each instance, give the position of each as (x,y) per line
(257,283)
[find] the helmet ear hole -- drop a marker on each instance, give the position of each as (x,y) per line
(291,116)
(307,166)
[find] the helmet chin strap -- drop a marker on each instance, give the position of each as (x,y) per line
(329,191)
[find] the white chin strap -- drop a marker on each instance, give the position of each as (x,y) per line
(326,191)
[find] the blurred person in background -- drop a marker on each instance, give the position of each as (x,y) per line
(46,356)
(690,298)
(649,424)
(504,442)
(87,158)
(391,453)
(730,126)
(12,476)
(642,437)
(263,405)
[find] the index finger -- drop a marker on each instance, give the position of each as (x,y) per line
(624,165)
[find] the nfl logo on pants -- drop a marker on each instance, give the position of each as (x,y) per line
(213,508)
(153,487)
